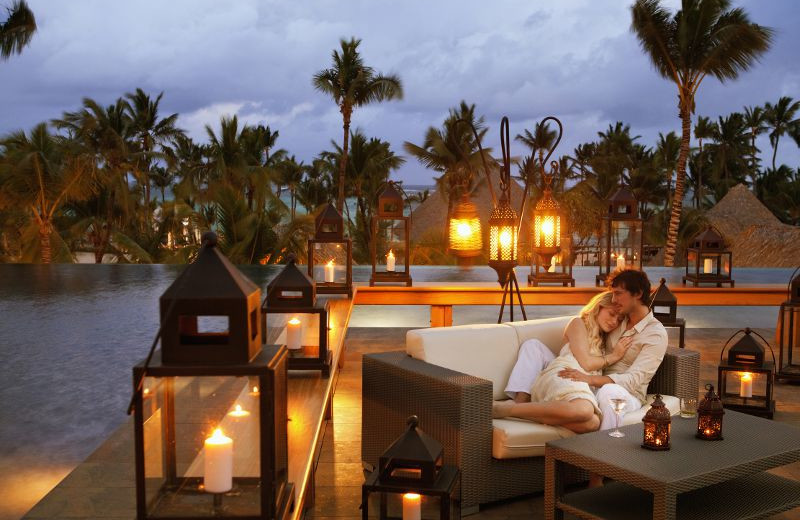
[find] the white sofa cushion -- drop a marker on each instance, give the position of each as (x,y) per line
(485,351)
(517,438)
(549,331)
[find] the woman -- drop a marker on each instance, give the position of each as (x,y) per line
(539,394)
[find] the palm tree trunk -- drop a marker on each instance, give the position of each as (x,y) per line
(343,163)
(44,239)
(680,180)
(775,151)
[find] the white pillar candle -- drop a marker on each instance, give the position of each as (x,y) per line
(746,385)
(390,261)
(294,333)
(621,262)
(412,506)
(218,463)
(238,413)
(708,266)
(330,272)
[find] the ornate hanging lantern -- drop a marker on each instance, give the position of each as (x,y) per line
(551,263)
(465,238)
(622,243)
(657,426)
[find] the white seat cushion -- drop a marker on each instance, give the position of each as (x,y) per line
(518,438)
(549,331)
(485,351)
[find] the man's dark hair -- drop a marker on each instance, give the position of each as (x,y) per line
(632,280)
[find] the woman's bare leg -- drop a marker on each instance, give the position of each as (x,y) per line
(555,413)
(592,425)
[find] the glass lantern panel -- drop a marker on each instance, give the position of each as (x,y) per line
(201,438)
(406,505)
(390,246)
(299,331)
(691,262)
(726,264)
(790,336)
(626,243)
(330,262)
(710,264)
(741,385)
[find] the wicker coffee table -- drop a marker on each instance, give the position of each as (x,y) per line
(695,479)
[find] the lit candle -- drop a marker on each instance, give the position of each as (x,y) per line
(412,509)
(218,463)
(254,392)
(463,230)
(238,413)
(708,266)
(330,270)
(390,261)
(293,334)
(548,229)
(621,262)
(746,385)
(707,432)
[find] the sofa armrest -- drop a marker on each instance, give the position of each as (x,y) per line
(453,408)
(678,375)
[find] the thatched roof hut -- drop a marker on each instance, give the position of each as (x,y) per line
(755,236)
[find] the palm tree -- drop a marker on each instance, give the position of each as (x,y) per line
(705,37)
(540,141)
(703,129)
(352,84)
(754,120)
(780,118)
(668,149)
(41,172)
(728,152)
(290,173)
(16,32)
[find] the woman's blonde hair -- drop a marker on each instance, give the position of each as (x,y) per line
(588,314)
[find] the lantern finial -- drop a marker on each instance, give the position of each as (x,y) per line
(413,421)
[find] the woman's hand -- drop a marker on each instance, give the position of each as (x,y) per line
(575,375)
(619,349)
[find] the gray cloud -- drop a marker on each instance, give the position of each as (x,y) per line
(576,60)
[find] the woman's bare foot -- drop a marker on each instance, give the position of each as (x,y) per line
(501,409)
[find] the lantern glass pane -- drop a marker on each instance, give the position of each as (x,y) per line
(726,264)
(503,243)
(390,246)
(330,262)
(709,264)
(626,241)
(691,261)
(429,506)
(789,356)
(299,331)
(186,460)
(741,384)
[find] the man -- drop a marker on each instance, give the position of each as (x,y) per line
(628,378)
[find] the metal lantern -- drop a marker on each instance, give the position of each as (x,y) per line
(465,237)
(503,237)
(746,381)
(390,245)
(708,260)
(664,306)
(789,332)
(551,258)
(291,316)
(622,242)
(412,469)
(657,426)
(206,444)
(709,416)
(330,254)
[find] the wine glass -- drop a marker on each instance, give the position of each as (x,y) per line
(618,405)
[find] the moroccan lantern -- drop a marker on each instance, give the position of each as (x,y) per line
(657,426)
(622,241)
(465,237)
(789,331)
(709,416)
(747,380)
(708,260)
(503,238)
(551,263)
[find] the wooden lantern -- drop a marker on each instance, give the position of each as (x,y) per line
(708,260)
(209,315)
(709,416)
(623,235)
(464,233)
(657,426)
(746,381)
(390,245)
(789,332)
(330,254)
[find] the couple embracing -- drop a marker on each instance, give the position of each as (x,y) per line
(611,352)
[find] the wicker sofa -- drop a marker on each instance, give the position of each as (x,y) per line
(449,378)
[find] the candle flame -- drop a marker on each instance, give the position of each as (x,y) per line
(330,263)
(294,321)
(390,254)
(412,496)
(255,389)
(463,230)
(547,227)
(146,391)
(238,408)
(217,436)
(622,256)
(505,238)
(747,376)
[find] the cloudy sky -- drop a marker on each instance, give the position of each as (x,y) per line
(575,59)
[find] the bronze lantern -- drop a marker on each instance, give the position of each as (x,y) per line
(709,416)
(551,258)
(464,231)
(746,381)
(503,238)
(657,426)
(708,260)
(664,306)
(206,446)
(390,245)
(330,254)
(789,332)
(292,316)
(622,242)
(412,469)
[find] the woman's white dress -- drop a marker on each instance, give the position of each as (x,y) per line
(549,386)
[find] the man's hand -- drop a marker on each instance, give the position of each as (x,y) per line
(575,375)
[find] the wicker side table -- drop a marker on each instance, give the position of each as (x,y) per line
(695,479)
